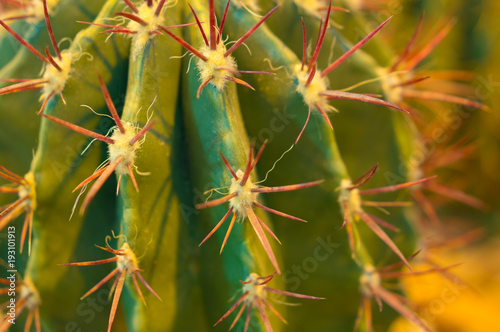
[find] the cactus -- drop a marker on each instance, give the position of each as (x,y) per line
(153,130)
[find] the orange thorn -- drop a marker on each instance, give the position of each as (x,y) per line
(262,237)
(99,182)
(132,177)
(287,188)
(233,307)
(100,283)
(230,228)
(278,213)
(92,177)
(215,202)
(202,86)
(116,298)
(218,225)
(240,82)
(394,187)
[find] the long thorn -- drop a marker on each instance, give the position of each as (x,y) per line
(248,168)
(430,46)
(228,166)
(438,96)
(132,177)
(186,45)
(99,182)
(321,38)
(257,157)
(399,307)
(249,32)
(91,263)
(24,86)
(215,202)
(45,102)
(148,287)
(110,104)
(50,31)
(228,232)
(25,43)
(217,226)
(134,279)
(17,178)
(237,317)
(100,283)
(240,82)
(409,45)
(51,59)
(359,182)
(92,177)
(263,314)
(262,237)
(79,129)
(233,307)
(199,25)
(25,228)
(142,132)
(325,115)
(116,298)
(384,237)
(353,49)
(12,206)
(278,213)
(287,188)
(213,28)
(296,295)
(330,94)
(223,21)
(394,187)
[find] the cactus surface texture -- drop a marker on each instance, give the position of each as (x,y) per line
(249,165)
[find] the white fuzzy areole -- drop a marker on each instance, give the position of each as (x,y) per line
(57,79)
(216,60)
(153,22)
(29,292)
(393,91)
(369,280)
(122,148)
(28,190)
(245,197)
(352,197)
(254,289)
(312,93)
(128,260)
